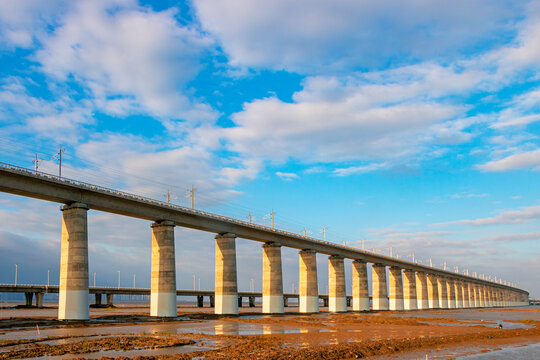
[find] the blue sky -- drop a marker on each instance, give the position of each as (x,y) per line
(409,124)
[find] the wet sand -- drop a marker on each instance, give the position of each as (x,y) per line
(128,331)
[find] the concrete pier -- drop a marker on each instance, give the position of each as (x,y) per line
(163,278)
(443,292)
(73,290)
(395,289)
(422,291)
(473,300)
(451,293)
(465,292)
(226,288)
(272,279)
(309,288)
(409,290)
(360,285)
(459,294)
(433,291)
(337,297)
(379,291)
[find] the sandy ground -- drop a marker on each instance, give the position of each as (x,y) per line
(129,332)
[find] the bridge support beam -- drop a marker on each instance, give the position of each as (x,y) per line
(110,300)
(465,294)
(409,290)
(308,284)
(433,291)
(396,289)
(226,287)
(473,296)
(337,297)
(459,294)
(451,293)
(360,285)
(379,288)
(163,279)
(422,291)
(272,279)
(443,292)
(73,289)
(39,299)
(28,296)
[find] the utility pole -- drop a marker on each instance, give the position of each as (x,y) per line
(391,251)
(191,194)
(36,162)
(412,256)
(430,263)
(324,232)
(15,274)
(199,284)
(363,244)
(169,197)
(194,288)
(58,157)
(134,275)
(119,279)
(271,217)
(251,285)
(48,273)
(94,279)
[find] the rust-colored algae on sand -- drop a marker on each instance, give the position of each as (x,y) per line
(290,336)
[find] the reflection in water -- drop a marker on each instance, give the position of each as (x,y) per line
(516,353)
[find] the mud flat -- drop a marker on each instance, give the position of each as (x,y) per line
(468,334)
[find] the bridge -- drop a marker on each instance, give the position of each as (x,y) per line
(408,286)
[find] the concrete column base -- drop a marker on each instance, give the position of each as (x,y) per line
(337,304)
(361,304)
(273,304)
(451,304)
(410,304)
(380,304)
(226,304)
(396,304)
(309,304)
(39,299)
(422,304)
(74,305)
(163,304)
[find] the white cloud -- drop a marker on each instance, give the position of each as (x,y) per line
(22,21)
(383,115)
(506,217)
(287,176)
(310,36)
(359,169)
(467,195)
(131,59)
(529,159)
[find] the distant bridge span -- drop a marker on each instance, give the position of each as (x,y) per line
(425,286)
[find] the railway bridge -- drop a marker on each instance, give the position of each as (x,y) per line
(396,284)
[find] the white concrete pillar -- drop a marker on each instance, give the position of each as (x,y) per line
(163,279)
(422,291)
(459,293)
(451,293)
(309,288)
(73,290)
(226,287)
(379,289)
(409,290)
(360,286)
(443,292)
(337,300)
(473,293)
(395,289)
(433,291)
(272,279)
(466,296)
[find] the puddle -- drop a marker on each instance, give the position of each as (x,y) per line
(525,352)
